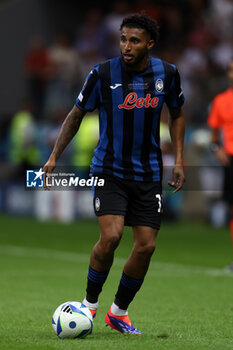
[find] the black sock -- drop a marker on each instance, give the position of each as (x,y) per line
(95,281)
(127,289)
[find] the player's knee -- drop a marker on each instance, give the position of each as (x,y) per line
(112,242)
(105,247)
(109,242)
(146,249)
(111,235)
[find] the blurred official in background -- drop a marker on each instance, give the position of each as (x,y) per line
(221,121)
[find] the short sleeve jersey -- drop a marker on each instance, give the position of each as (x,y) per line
(221,117)
(130,105)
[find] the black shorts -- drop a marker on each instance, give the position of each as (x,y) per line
(228,182)
(139,202)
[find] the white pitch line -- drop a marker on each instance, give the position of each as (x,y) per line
(42,253)
(157,267)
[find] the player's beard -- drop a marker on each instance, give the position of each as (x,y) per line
(142,56)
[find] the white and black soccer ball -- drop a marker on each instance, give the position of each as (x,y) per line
(72,320)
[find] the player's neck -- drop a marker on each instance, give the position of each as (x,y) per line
(140,66)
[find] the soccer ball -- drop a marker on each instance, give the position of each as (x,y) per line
(72,320)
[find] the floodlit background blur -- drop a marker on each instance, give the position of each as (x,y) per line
(48,48)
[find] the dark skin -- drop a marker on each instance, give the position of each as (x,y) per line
(69,128)
(135,45)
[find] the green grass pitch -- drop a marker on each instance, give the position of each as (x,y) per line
(186,301)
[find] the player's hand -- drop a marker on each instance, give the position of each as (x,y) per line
(222,157)
(178,178)
(48,169)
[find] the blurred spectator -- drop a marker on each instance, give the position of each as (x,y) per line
(90,40)
(151,8)
(23,150)
(192,63)
(172,27)
(193,66)
(84,143)
(201,35)
(66,75)
(198,7)
(48,135)
(37,68)
(221,54)
(220,14)
(120,9)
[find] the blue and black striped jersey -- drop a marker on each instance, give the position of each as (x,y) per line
(129,106)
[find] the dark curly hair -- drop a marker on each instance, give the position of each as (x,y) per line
(141,20)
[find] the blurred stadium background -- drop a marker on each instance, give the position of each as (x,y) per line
(47,49)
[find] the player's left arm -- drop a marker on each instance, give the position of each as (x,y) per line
(177,130)
(217,148)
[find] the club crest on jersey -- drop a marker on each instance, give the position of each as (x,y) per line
(159,85)
(131,101)
(97,204)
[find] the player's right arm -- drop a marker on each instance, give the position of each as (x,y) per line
(69,128)
(87,101)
